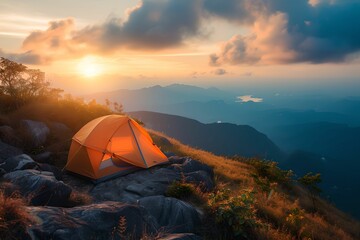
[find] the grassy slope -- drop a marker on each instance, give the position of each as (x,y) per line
(273,212)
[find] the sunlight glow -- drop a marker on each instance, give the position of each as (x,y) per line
(89,67)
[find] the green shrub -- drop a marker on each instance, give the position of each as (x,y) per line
(234,216)
(270,170)
(187,192)
(180,190)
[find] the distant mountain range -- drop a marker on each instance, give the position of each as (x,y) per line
(219,138)
(152,97)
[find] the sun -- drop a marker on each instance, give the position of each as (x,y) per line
(89,67)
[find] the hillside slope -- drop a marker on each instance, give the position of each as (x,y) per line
(286,212)
(219,138)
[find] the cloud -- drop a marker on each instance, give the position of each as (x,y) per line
(220,71)
(240,11)
(268,43)
(248,98)
(280,31)
(25,58)
(153,24)
(296,31)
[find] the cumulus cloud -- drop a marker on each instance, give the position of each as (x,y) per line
(153,24)
(241,11)
(280,31)
(300,31)
(268,43)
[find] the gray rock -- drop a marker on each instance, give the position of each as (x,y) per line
(50,168)
(136,185)
(152,182)
(37,132)
(41,188)
(96,221)
(44,157)
(191,165)
(7,151)
(8,135)
(173,214)
(181,236)
(19,162)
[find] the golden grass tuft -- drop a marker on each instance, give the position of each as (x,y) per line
(13,217)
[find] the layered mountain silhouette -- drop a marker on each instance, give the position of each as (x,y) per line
(219,138)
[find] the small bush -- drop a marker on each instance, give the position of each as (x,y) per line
(187,192)
(13,217)
(295,218)
(180,190)
(234,216)
(270,170)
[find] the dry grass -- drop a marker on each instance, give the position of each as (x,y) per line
(272,210)
(13,217)
(79,198)
(225,169)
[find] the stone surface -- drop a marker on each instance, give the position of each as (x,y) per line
(181,236)
(19,162)
(9,135)
(44,157)
(173,214)
(7,151)
(42,188)
(153,181)
(36,132)
(136,185)
(95,221)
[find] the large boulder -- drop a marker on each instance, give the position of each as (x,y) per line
(9,135)
(108,220)
(172,214)
(189,165)
(19,162)
(44,157)
(154,181)
(7,151)
(136,185)
(42,188)
(36,132)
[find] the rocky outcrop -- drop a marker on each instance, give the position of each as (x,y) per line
(172,214)
(42,188)
(36,132)
(7,151)
(108,220)
(19,162)
(126,207)
(115,220)
(9,136)
(154,181)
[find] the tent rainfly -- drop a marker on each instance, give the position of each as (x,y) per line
(110,146)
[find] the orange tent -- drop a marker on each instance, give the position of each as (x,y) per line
(112,145)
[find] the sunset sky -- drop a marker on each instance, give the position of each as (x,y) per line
(91,45)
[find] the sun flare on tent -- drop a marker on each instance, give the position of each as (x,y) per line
(89,67)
